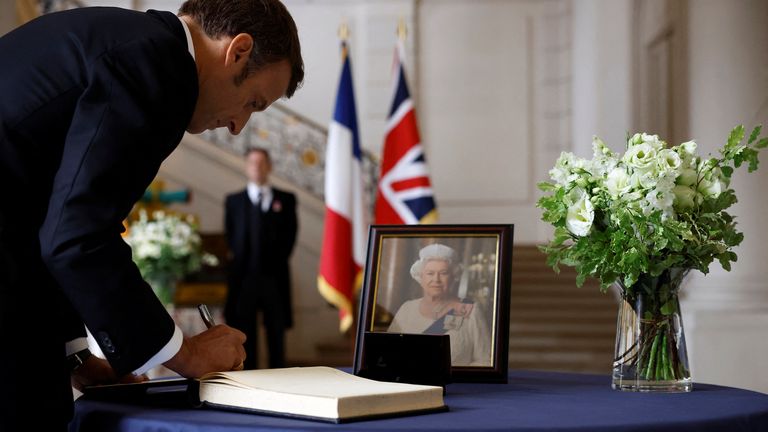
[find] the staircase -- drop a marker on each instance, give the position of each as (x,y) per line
(553,324)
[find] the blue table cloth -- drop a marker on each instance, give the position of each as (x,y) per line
(531,401)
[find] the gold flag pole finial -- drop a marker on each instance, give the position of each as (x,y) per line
(402,30)
(344,31)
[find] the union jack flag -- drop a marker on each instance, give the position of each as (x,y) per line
(404,194)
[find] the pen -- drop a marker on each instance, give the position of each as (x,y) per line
(206,315)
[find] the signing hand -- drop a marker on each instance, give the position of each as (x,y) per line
(220,348)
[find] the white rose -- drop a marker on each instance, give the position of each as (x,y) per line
(687,177)
(653,141)
(635,140)
(711,188)
(643,180)
(684,197)
(641,157)
(618,182)
(580,216)
(713,182)
(644,138)
(668,161)
(687,151)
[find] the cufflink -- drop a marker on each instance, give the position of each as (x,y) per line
(74,361)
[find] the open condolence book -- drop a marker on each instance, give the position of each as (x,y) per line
(316,393)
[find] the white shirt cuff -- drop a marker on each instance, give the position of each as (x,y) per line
(76,345)
(169,350)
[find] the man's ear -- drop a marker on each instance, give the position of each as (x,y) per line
(239,49)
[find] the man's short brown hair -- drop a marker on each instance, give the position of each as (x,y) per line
(268,22)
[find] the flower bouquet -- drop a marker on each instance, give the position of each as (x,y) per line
(165,248)
(642,220)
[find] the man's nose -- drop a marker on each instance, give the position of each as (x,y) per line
(237,124)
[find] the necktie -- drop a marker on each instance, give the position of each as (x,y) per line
(257,204)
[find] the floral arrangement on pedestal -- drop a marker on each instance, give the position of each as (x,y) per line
(641,221)
(166,247)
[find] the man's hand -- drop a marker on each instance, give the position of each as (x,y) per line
(95,371)
(220,348)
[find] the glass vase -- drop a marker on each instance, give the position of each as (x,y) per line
(650,353)
(164,286)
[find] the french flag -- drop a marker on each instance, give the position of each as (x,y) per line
(404,194)
(343,252)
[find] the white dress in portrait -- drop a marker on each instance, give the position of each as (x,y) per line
(470,336)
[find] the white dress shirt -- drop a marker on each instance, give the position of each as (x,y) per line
(264,192)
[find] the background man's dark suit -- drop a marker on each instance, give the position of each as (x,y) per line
(259,276)
(91,102)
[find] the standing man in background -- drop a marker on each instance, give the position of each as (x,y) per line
(261,227)
(93,100)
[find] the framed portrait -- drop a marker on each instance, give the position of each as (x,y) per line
(442,279)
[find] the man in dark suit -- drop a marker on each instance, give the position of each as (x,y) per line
(261,230)
(93,100)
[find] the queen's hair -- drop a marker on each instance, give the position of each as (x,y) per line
(436,252)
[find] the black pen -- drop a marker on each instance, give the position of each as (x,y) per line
(206,315)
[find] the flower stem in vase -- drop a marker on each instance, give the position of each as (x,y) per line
(650,351)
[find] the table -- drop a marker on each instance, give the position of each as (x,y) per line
(531,401)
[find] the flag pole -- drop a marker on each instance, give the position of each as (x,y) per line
(343,30)
(402,29)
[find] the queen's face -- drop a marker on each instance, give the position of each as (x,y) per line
(435,278)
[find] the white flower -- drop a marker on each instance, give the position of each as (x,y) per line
(652,141)
(603,160)
(713,182)
(618,182)
(656,200)
(687,151)
(687,177)
(563,172)
(599,149)
(210,259)
(580,216)
(668,160)
(147,250)
(641,157)
(684,197)
(167,244)
(644,180)
(711,188)
(666,182)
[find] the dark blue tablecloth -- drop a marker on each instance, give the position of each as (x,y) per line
(531,401)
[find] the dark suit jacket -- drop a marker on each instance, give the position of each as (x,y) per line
(270,286)
(92,101)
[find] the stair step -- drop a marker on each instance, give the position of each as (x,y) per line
(534,317)
(561,357)
(561,328)
(593,367)
(522,343)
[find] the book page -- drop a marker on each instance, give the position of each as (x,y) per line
(311,381)
(316,391)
